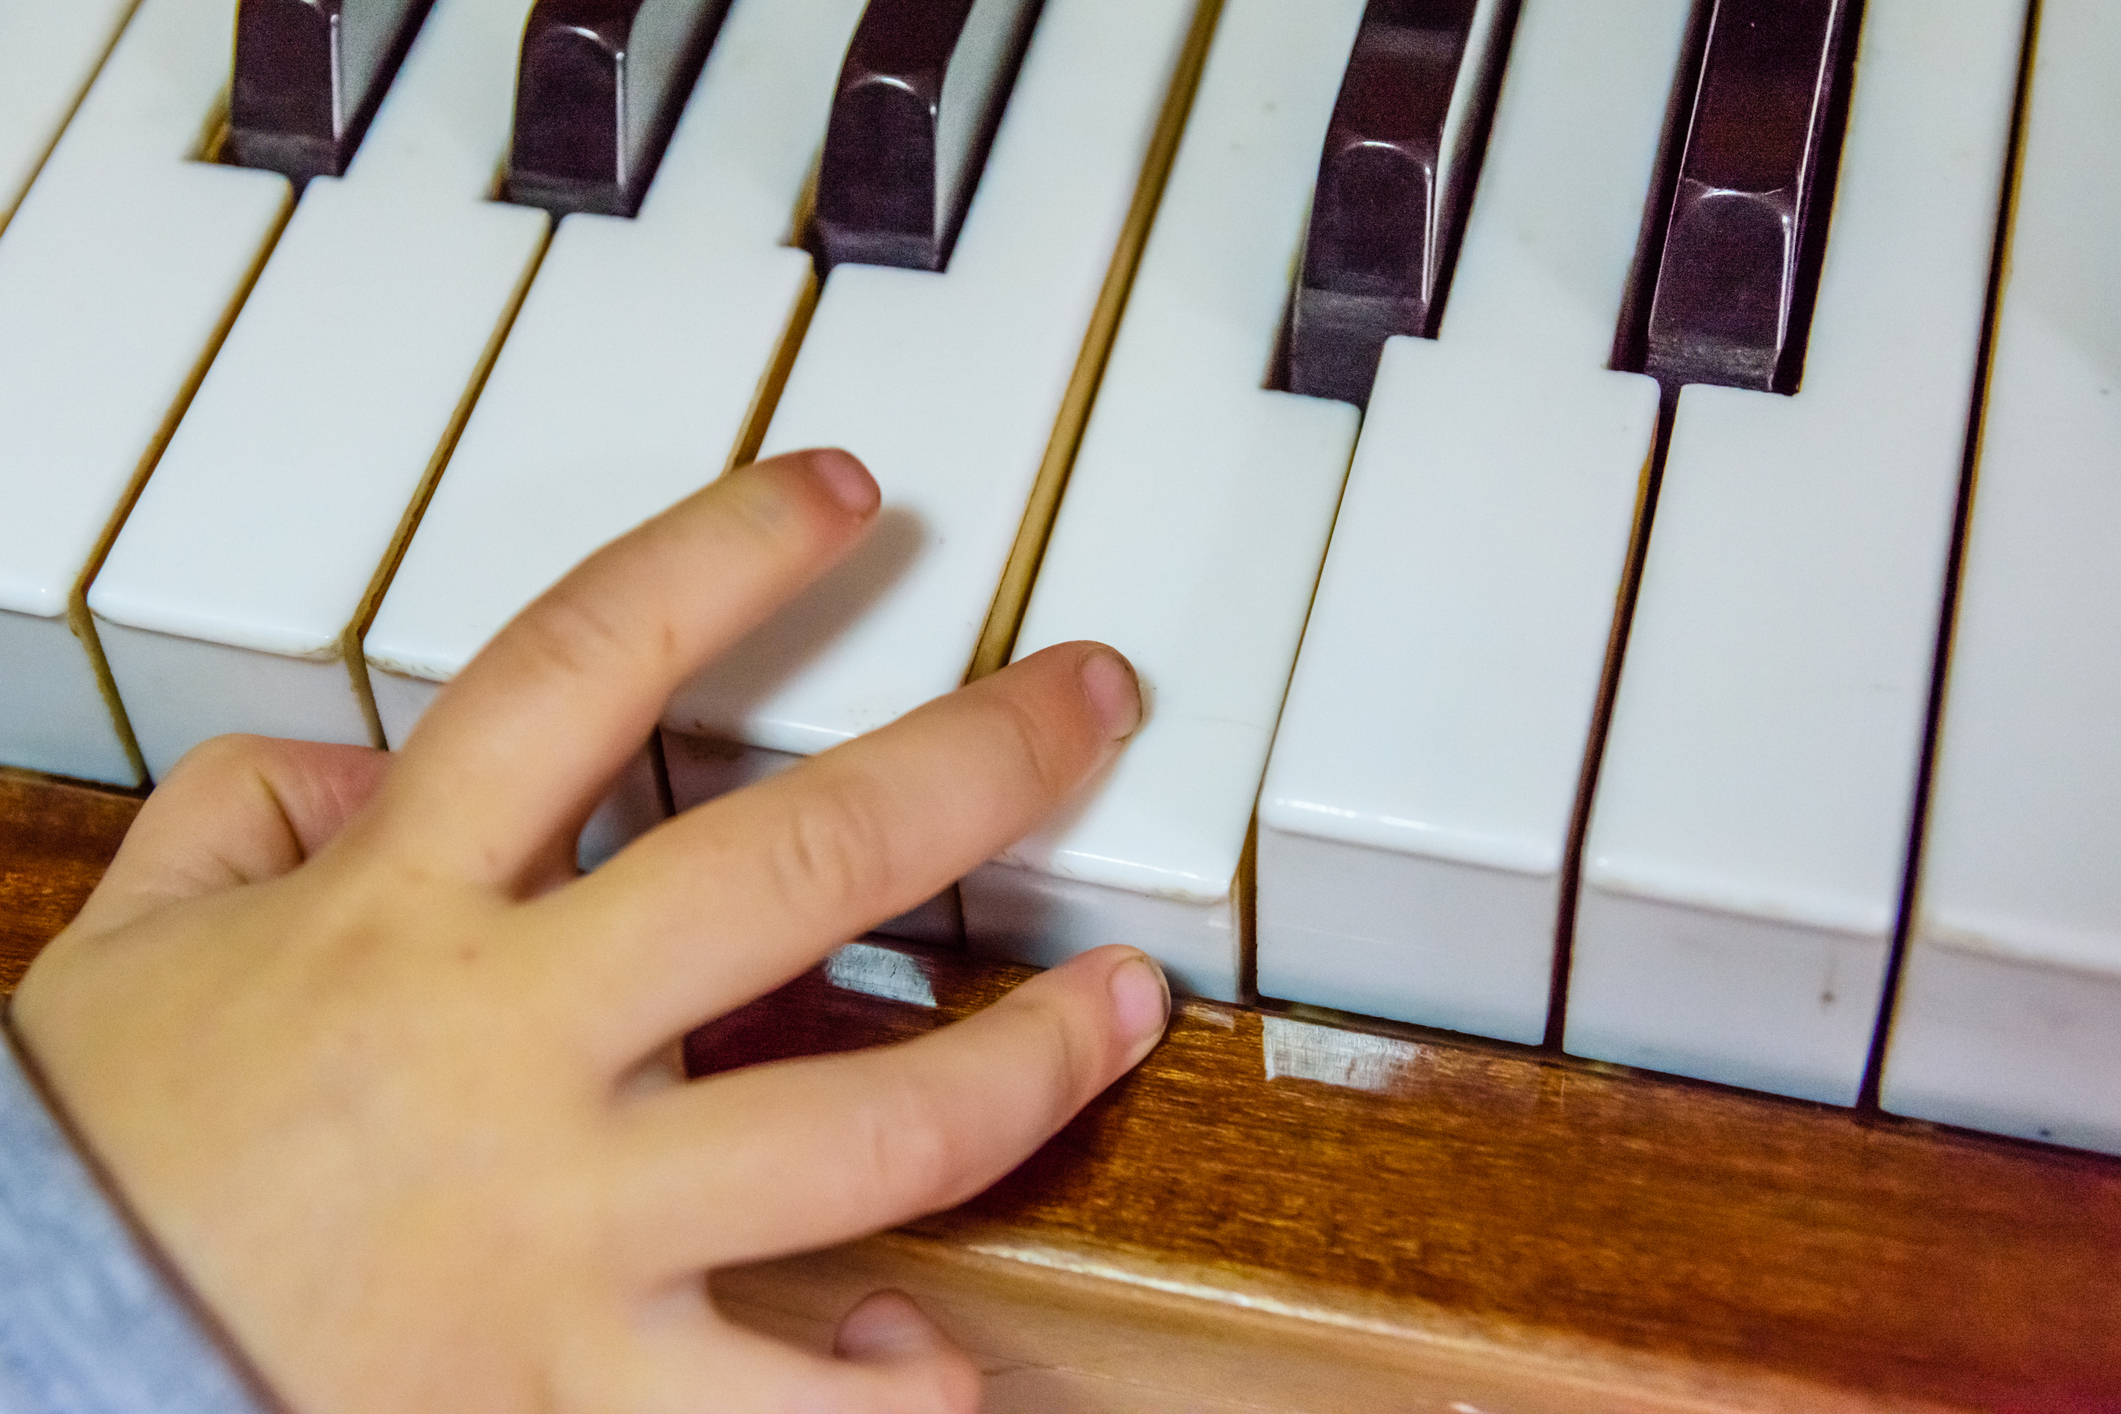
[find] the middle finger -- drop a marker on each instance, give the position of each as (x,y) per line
(733,898)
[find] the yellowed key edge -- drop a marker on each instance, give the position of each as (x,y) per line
(78,617)
(1005,615)
(774,380)
(1624,595)
(350,641)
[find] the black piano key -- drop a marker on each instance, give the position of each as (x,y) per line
(598,93)
(1739,264)
(919,96)
(1387,205)
(308,76)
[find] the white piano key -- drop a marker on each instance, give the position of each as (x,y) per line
(2009,1014)
(48,54)
(1416,814)
(978,67)
(949,385)
(1745,854)
(272,516)
(117,273)
(631,372)
(1197,512)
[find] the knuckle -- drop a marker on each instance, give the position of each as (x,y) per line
(910,1147)
(1043,746)
(1074,1068)
(222,756)
(832,852)
(233,771)
(568,636)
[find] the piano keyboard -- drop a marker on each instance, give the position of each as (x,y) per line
(1488,513)
(1610,722)
(1213,615)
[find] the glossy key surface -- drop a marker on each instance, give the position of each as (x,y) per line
(950,386)
(308,76)
(1414,822)
(1391,193)
(230,598)
(117,271)
(2009,1015)
(1748,211)
(48,54)
(1184,435)
(597,95)
(923,84)
(640,352)
(1747,844)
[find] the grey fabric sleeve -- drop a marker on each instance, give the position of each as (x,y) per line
(89,1324)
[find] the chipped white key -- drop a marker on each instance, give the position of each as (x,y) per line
(2009,1014)
(1743,867)
(233,599)
(1416,814)
(117,273)
(633,369)
(949,384)
(1196,515)
(48,54)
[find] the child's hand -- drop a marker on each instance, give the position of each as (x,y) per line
(393,1088)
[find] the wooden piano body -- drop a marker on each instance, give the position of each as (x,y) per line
(1278,1215)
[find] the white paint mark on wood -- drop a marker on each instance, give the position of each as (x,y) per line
(1353,1060)
(880,972)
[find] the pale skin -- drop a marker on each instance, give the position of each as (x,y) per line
(391,1086)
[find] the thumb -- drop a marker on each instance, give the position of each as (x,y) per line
(236,810)
(886,1329)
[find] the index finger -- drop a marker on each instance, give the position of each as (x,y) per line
(517,750)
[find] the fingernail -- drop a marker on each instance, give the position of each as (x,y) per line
(1115,693)
(1141,998)
(886,1326)
(847,479)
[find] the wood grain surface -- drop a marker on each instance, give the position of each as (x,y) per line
(55,839)
(1361,1212)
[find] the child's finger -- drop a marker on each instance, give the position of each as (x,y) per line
(813,1152)
(733,898)
(516,751)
